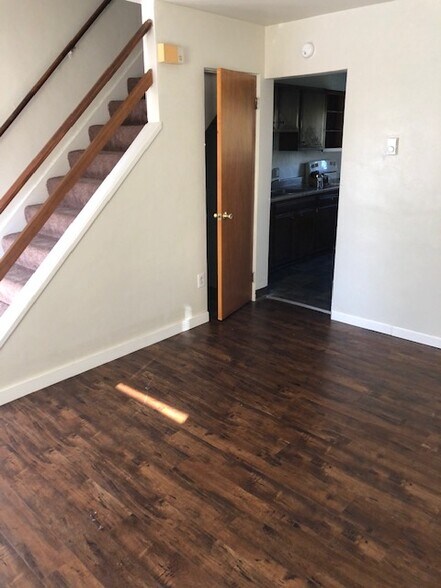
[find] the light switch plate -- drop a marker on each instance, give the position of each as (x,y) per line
(392,146)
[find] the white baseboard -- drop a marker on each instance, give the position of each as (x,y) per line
(104,356)
(415,336)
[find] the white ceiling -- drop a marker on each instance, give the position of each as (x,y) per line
(267,12)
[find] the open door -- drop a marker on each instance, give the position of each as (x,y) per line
(236,131)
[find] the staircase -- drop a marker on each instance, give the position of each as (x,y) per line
(74,201)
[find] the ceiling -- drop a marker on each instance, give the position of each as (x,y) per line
(267,12)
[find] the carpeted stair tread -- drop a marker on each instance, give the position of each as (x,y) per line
(13,282)
(80,194)
(3,307)
(35,252)
(131,83)
(101,166)
(121,140)
(75,199)
(58,222)
(138,116)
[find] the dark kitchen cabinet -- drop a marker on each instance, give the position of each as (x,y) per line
(335,106)
(286,117)
(286,107)
(292,229)
(281,246)
(302,227)
(326,227)
(312,119)
(307,118)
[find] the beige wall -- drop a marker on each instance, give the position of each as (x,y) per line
(135,270)
(32,34)
(388,268)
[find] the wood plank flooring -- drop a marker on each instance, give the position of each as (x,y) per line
(310,457)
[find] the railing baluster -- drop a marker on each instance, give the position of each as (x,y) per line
(73,117)
(36,224)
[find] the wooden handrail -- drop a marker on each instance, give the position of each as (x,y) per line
(73,117)
(47,74)
(37,222)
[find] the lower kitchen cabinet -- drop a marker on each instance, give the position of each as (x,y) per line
(302,233)
(326,225)
(302,227)
(281,246)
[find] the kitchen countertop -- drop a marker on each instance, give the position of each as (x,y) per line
(289,194)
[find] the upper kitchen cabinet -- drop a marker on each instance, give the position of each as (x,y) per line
(307,118)
(286,117)
(312,119)
(335,106)
(286,108)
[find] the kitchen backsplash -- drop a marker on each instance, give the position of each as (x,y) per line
(290,163)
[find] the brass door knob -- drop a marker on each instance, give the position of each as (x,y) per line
(225,215)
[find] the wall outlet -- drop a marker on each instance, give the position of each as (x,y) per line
(201,280)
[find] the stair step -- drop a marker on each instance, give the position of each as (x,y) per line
(13,282)
(3,307)
(138,116)
(77,196)
(131,83)
(101,166)
(121,140)
(75,199)
(58,222)
(35,252)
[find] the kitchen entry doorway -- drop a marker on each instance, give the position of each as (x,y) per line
(308,122)
(230,115)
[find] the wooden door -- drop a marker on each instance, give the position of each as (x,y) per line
(236,130)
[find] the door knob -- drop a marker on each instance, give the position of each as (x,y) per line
(225,215)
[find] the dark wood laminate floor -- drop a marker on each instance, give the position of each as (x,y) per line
(310,457)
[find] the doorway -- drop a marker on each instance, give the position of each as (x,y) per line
(230,129)
(307,150)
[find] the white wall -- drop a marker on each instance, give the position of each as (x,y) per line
(209,42)
(135,270)
(388,270)
(32,34)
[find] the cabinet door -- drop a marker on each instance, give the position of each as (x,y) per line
(326,228)
(286,107)
(281,240)
(312,119)
(303,224)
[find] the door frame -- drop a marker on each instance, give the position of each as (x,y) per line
(328,151)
